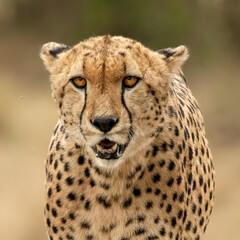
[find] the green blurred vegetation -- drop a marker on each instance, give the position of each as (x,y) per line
(211,29)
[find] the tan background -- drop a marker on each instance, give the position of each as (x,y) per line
(211,29)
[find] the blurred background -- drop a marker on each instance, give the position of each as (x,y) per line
(211,30)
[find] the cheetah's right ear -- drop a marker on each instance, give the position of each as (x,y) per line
(52,51)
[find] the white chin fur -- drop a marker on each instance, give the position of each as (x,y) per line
(108,163)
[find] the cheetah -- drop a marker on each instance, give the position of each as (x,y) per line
(129,158)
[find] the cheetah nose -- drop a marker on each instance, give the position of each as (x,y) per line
(104,124)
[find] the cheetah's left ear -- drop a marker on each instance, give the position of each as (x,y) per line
(174,57)
(51,51)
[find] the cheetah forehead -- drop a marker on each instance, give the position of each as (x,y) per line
(108,58)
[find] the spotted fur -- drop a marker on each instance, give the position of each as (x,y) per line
(162,187)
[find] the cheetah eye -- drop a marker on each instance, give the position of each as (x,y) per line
(130,81)
(79,82)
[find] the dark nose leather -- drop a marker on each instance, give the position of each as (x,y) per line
(104,124)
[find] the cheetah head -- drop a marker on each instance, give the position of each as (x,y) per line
(111,93)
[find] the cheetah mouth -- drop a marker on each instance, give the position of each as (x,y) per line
(107,149)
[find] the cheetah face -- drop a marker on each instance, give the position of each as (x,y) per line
(111,93)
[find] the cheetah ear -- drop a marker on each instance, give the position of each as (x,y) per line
(52,51)
(174,57)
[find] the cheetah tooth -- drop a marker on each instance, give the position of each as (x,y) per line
(100,148)
(114,147)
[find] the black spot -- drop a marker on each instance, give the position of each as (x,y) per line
(162,163)
(103,200)
(49,193)
(87,205)
(162,231)
(157,191)
(137,192)
(152,237)
(51,159)
(56,164)
(69,180)
(85,224)
(48,222)
(139,231)
(179,180)
(194,185)
(170,111)
(105,186)
(66,167)
(149,204)
(164,196)
(200,180)
(129,221)
(141,218)
(190,178)
(181,197)
(173,221)
(71,196)
(190,153)
(171,145)
(171,166)
(72,216)
(184,216)
(90,237)
(122,54)
(77,146)
(164,147)
(63,220)
(58,146)
(59,203)
(202,150)
(174,197)
(201,221)
(155,150)
(151,167)
(127,202)
(170,181)
(200,198)
(70,237)
(176,131)
(188,226)
(59,175)
(156,178)
(92,183)
(194,207)
(206,206)
(55,229)
(86,172)
(148,190)
(156,219)
(141,175)
(81,160)
(47,206)
(180,213)
(168,208)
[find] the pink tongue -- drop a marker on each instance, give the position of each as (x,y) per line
(106,143)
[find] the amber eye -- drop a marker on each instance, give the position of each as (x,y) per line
(130,81)
(79,82)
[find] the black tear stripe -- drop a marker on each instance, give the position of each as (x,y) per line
(81,115)
(131,132)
